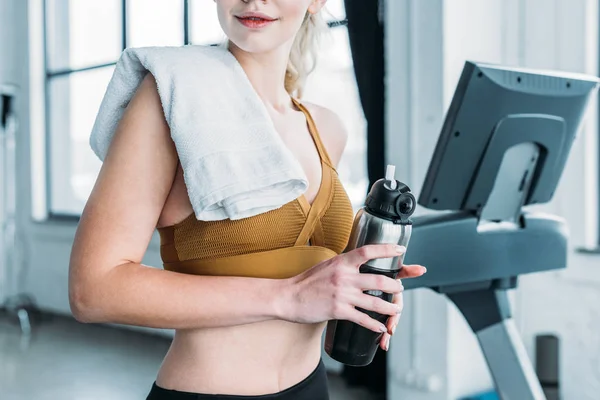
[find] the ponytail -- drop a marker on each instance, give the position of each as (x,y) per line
(303,55)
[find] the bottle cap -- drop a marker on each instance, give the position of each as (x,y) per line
(391,199)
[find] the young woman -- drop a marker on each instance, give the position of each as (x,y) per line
(245,327)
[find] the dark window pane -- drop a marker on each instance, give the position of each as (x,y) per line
(83,33)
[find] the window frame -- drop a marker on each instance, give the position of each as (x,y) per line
(596,250)
(49,76)
(595,247)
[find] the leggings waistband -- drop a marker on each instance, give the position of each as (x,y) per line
(313,387)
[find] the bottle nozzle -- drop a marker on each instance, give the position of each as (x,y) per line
(390,176)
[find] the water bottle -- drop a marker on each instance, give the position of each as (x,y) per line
(383,219)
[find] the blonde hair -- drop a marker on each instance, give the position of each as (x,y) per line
(303,55)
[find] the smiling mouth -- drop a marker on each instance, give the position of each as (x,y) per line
(255,22)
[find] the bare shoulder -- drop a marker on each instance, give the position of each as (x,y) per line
(332,130)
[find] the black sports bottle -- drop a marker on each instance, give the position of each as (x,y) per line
(383,219)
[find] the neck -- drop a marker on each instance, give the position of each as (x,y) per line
(266,72)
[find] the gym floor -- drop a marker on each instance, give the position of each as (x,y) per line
(67,360)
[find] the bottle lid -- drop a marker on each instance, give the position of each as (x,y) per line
(391,199)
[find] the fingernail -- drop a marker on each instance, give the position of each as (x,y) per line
(394,328)
(398,309)
(400,249)
(387,343)
(382,328)
(424,269)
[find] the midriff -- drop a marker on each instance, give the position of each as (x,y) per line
(252,359)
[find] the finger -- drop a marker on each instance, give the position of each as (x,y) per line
(362,319)
(373,303)
(377,282)
(398,300)
(394,319)
(411,271)
(367,252)
(392,323)
(384,343)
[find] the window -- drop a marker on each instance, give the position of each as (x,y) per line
(83,41)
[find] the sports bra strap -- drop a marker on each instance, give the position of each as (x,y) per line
(314,132)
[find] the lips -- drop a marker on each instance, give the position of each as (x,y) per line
(255,20)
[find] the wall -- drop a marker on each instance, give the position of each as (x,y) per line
(435,356)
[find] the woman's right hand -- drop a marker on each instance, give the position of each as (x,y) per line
(333,288)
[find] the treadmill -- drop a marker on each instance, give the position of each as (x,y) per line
(503,146)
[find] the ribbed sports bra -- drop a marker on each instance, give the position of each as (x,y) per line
(280,243)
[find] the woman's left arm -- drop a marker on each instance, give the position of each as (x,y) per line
(334,134)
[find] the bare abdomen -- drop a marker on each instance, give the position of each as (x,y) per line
(253,359)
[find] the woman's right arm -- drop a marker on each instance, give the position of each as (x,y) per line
(108,282)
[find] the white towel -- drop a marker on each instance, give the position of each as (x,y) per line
(235,163)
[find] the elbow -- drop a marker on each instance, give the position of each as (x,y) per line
(82,304)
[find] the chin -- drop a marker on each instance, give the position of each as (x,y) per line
(254,45)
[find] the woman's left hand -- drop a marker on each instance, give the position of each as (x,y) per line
(407,271)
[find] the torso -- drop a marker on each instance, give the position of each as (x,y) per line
(253,359)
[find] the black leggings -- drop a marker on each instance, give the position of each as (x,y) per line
(313,387)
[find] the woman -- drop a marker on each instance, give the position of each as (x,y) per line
(238,330)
